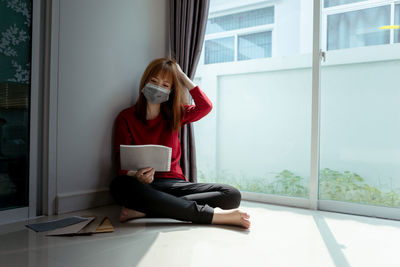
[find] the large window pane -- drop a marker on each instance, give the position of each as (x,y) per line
(330,3)
(256,45)
(360,118)
(15,42)
(219,50)
(360,129)
(358,28)
(241,20)
(262,128)
(257,137)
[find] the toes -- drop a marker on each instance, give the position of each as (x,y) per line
(245,215)
(245,223)
(124,213)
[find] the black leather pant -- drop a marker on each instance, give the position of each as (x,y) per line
(174,198)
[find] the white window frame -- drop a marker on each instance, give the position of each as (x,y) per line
(238,32)
(357,6)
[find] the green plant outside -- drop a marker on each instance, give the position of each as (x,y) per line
(333,185)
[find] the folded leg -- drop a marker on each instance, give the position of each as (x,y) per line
(215,195)
(130,193)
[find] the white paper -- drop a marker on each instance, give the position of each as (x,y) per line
(138,157)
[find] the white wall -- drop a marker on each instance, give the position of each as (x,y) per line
(104,47)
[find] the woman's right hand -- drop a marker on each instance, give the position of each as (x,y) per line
(145,175)
(187,82)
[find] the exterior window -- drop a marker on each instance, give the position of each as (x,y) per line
(220,50)
(360,24)
(239,36)
(256,45)
(241,20)
(397,22)
(330,3)
(358,28)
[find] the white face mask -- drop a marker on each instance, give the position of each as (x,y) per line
(155,94)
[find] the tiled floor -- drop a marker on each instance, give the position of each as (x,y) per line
(279,236)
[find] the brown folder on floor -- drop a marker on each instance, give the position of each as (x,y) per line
(99,225)
(94,225)
(105,226)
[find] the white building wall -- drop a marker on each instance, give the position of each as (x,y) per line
(306,26)
(260,124)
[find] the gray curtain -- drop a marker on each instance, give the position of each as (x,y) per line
(188,19)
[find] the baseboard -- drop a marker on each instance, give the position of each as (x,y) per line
(82,200)
(276,199)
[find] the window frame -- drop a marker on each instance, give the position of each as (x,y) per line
(242,31)
(357,6)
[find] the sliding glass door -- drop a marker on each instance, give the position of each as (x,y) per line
(360,112)
(15,85)
(256,68)
(284,131)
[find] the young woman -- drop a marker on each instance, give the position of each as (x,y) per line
(156,118)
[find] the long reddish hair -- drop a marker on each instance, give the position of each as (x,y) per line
(172,110)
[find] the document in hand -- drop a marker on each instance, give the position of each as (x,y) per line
(138,157)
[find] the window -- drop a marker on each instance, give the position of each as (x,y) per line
(241,20)
(397,22)
(220,50)
(358,28)
(359,23)
(359,134)
(239,36)
(330,3)
(15,89)
(256,45)
(259,134)
(256,138)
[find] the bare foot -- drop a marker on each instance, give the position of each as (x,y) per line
(128,214)
(231,217)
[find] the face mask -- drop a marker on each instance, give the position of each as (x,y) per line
(155,94)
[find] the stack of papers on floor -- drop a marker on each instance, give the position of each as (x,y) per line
(76,225)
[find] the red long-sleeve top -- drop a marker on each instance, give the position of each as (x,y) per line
(129,130)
